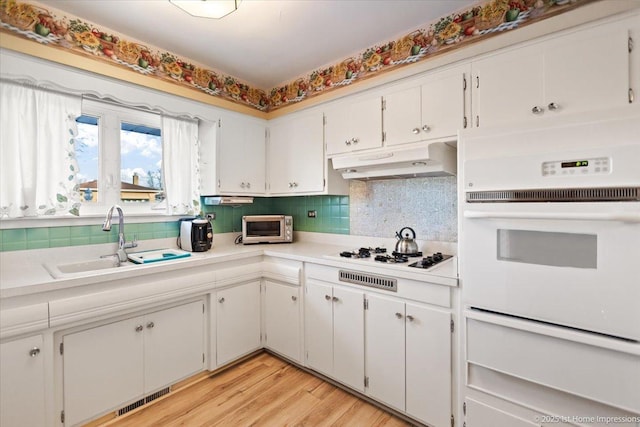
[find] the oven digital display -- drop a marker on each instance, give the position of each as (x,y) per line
(577,164)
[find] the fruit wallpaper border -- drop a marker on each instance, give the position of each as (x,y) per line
(58,29)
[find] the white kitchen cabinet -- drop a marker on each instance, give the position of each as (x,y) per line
(296,161)
(232,156)
(22,382)
(334,334)
(434,107)
(353,124)
(237,321)
(408,358)
(282,320)
(586,70)
(117,363)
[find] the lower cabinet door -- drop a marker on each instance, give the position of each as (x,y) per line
(428,365)
(102,369)
(385,350)
(348,337)
(174,345)
(238,321)
(282,319)
(22,383)
(318,323)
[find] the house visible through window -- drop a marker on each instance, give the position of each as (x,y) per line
(119,154)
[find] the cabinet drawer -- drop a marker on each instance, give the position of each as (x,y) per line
(552,357)
(481,415)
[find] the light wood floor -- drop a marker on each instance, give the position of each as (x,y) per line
(262,391)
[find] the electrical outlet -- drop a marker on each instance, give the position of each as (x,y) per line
(210,216)
(311,214)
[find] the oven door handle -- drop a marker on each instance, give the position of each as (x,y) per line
(631,217)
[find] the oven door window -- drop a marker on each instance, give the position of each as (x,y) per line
(263,228)
(548,248)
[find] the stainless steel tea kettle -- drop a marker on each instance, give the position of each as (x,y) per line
(406,245)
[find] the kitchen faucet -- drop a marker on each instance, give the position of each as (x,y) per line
(122,243)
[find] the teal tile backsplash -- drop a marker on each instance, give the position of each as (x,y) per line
(332,216)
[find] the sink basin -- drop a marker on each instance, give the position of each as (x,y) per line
(79,268)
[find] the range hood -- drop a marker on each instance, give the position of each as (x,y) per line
(419,160)
(227,200)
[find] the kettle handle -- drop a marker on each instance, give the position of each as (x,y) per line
(399,233)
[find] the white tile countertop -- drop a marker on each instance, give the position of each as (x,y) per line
(23,273)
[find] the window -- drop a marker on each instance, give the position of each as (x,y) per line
(119,154)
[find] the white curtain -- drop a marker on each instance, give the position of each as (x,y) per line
(37,155)
(180,158)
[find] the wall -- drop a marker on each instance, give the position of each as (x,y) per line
(374,208)
(428,205)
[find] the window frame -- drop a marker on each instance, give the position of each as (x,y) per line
(110,118)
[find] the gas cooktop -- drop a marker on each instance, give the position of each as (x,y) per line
(380,255)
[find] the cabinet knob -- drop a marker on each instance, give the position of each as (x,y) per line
(410,318)
(295,184)
(150,325)
(355,140)
(291,185)
(335,299)
(248,185)
(327,297)
(34,352)
(242,185)
(399,315)
(537,110)
(294,298)
(139,328)
(221,300)
(553,106)
(347,142)
(416,130)
(426,128)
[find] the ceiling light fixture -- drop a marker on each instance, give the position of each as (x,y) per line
(215,9)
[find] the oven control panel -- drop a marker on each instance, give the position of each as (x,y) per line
(598,165)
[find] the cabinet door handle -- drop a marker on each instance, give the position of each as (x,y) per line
(426,128)
(34,352)
(221,300)
(399,315)
(294,298)
(553,106)
(139,328)
(410,318)
(150,325)
(415,131)
(327,297)
(537,110)
(335,299)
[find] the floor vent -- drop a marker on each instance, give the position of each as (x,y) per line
(371,280)
(138,403)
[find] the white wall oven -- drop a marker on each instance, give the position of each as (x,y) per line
(550,259)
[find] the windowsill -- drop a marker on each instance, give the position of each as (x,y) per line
(87,219)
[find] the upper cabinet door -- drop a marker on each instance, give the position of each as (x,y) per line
(587,70)
(434,108)
(353,125)
(296,154)
(444,99)
(507,87)
(402,116)
(241,156)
